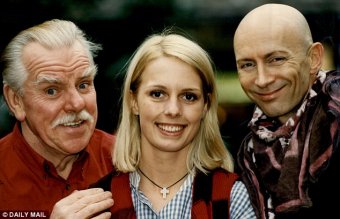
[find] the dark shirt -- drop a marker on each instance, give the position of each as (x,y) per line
(300,175)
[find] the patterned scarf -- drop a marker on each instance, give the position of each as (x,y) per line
(281,160)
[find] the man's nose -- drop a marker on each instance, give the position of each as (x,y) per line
(74,101)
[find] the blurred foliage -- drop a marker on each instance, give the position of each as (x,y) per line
(229,89)
(121,25)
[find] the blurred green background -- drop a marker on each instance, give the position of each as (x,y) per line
(121,25)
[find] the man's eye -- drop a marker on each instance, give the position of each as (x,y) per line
(246,65)
(276,60)
(51,91)
(83,85)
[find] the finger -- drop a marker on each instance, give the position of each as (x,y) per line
(79,194)
(78,200)
(94,198)
(104,215)
(94,209)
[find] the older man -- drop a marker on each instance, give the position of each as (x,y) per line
(54,149)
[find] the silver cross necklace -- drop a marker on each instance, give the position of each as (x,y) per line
(164,190)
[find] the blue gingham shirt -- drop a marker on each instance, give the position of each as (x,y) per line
(180,205)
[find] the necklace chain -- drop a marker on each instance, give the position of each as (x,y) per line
(164,190)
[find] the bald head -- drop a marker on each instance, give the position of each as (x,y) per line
(276,20)
(276,58)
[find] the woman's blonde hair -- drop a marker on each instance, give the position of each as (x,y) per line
(207,149)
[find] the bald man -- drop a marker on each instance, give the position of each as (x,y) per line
(290,159)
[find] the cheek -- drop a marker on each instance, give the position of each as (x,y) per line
(194,115)
(41,110)
(147,114)
(91,104)
(245,81)
(194,118)
(43,113)
(37,105)
(301,89)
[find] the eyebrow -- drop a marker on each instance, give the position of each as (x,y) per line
(274,53)
(162,87)
(244,60)
(265,56)
(47,79)
(89,72)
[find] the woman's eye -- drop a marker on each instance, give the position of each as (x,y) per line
(156,94)
(190,97)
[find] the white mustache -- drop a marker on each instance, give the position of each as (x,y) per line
(73,117)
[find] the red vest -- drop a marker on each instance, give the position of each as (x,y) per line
(211,194)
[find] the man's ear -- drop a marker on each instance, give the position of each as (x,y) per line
(133,103)
(316,56)
(14,102)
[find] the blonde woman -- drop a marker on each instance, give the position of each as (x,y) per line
(170,158)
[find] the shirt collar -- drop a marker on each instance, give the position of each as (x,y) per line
(35,160)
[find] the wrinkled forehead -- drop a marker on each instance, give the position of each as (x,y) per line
(38,59)
(36,50)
